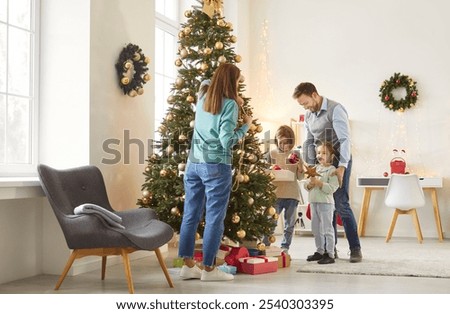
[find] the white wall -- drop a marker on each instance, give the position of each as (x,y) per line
(347,48)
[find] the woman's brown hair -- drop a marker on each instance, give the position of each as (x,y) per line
(223,84)
(287,133)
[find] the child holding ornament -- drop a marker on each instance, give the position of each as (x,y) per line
(208,177)
(321,188)
(287,192)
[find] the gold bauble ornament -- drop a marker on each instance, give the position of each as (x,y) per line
(147,60)
(250,201)
(132,93)
(178,62)
(235,219)
(222,59)
(140,91)
(261,246)
(145,200)
(240,177)
(271,211)
(241,234)
(218,45)
(229,25)
(163,172)
(187,30)
(276,216)
(175,211)
(187,13)
(147,77)
(162,129)
(179,82)
(182,138)
(169,117)
(125,80)
(184,53)
(147,169)
(259,128)
(137,56)
(204,66)
(181,166)
(252,127)
(180,34)
(272,239)
(207,51)
(192,123)
(145,193)
(197,236)
(246,178)
(190,99)
(171,99)
(237,58)
(233,39)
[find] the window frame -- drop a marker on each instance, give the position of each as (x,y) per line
(29,168)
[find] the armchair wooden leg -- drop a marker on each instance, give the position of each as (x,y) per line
(103,267)
(126,265)
(69,263)
(163,267)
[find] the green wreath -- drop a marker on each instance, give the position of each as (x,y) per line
(132,70)
(399,81)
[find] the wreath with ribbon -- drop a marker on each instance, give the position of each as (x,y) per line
(399,81)
(132,70)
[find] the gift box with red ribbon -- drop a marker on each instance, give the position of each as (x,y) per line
(235,254)
(284,260)
(259,265)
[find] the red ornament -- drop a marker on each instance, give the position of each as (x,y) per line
(413,94)
(386,98)
(385,174)
(397,81)
(276,167)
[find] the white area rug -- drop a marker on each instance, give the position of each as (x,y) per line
(398,257)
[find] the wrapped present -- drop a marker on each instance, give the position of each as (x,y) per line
(224,250)
(229,269)
(255,252)
(198,256)
(284,260)
(178,262)
(273,251)
(259,265)
(235,254)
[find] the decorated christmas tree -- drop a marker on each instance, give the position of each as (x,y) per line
(205,41)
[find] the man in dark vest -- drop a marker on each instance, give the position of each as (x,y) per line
(327,120)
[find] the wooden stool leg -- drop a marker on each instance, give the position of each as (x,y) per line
(391,227)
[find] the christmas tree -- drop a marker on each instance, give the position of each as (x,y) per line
(205,41)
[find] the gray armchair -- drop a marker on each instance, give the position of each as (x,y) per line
(88,235)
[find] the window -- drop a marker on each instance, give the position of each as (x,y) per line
(166,36)
(18,86)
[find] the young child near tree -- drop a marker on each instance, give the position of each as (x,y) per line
(321,188)
(287,192)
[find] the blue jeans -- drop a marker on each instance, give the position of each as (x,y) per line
(207,188)
(289,205)
(344,210)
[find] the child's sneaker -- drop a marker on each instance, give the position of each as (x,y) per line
(187,272)
(215,275)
